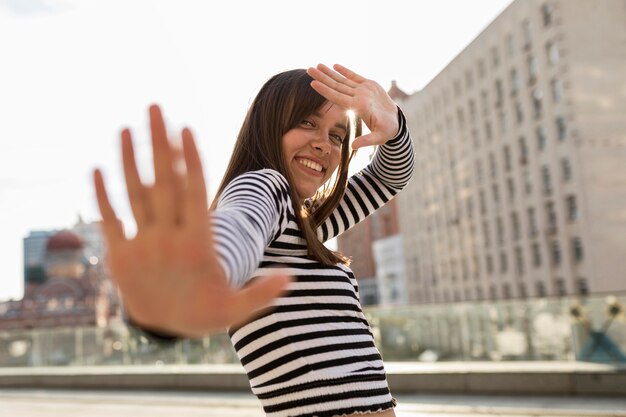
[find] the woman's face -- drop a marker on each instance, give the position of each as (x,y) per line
(312,149)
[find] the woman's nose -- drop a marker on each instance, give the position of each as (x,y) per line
(322,142)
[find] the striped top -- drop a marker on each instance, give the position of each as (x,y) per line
(312,352)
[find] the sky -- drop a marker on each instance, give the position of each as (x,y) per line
(75,72)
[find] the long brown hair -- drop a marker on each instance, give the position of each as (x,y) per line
(282,103)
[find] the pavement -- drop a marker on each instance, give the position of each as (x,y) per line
(88,403)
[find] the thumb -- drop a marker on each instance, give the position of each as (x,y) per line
(366,140)
(258,295)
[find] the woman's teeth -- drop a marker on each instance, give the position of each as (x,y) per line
(311,164)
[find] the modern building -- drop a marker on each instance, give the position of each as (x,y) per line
(520,181)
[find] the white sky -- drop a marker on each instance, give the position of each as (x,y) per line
(73,73)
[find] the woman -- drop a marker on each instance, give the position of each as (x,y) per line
(310,352)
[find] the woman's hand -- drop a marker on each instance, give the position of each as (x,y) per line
(366,97)
(169,274)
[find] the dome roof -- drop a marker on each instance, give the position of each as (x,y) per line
(64,240)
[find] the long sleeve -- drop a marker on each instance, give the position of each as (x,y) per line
(250,213)
(386,175)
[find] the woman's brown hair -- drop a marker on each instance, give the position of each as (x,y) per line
(282,103)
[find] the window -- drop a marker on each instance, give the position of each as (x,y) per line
(556,253)
(456,85)
(472,109)
(541,138)
(496,194)
(546,14)
(482,201)
(527,30)
(499,93)
(537,96)
(516,83)
(510,185)
(479,293)
(557,89)
(492,165)
(503,263)
(486,234)
(460,117)
(515,226)
(547,183)
(502,122)
(506,154)
(495,57)
(572,208)
(519,261)
(532,222)
(577,249)
(500,230)
(536,255)
(519,112)
(583,286)
(552,50)
(506,291)
(533,71)
(469,79)
(488,131)
(523,292)
(561,128)
(559,287)
(481,68)
(479,171)
(541,289)
(475,137)
(551,217)
(484,98)
(510,45)
(523,150)
(566,169)
(489,264)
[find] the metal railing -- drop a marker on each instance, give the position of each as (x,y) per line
(560,329)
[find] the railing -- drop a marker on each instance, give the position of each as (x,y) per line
(559,329)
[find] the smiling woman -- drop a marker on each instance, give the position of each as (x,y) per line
(304,341)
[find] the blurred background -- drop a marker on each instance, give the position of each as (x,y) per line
(508,245)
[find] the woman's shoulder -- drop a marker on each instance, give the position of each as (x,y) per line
(266,176)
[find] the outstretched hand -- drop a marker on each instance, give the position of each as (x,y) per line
(365,97)
(169,274)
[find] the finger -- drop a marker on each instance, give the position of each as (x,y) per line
(335,84)
(136,190)
(195,194)
(111,225)
(349,74)
(256,296)
(163,194)
(371,139)
(332,95)
(335,76)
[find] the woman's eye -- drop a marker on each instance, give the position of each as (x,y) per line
(337,140)
(307,123)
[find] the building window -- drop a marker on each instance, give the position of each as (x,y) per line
(523,292)
(541,138)
(503,263)
(556,253)
(552,50)
(456,85)
(561,128)
(547,182)
(515,226)
(559,287)
(481,68)
(572,208)
(475,138)
(492,165)
(502,122)
(510,45)
(546,14)
(566,169)
(556,86)
(536,255)
(479,293)
(506,154)
(527,30)
(528,185)
(482,201)
(460,116)
(479,171)
(523,150)
(496,194)
(495,57)
(486,234)
(577,249)
(510,184)
(489,264)
(484,98)
(519,261)
(519,112)
(541,289)
(516,83)
(469,79)
(551,217)
(506,291)
(471,104)
(500,230)
(583,286)
(488,131)
(537,96)
(533,71)
(493,292)
(499,93)
(532,222)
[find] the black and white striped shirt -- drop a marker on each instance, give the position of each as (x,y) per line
(312,352)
